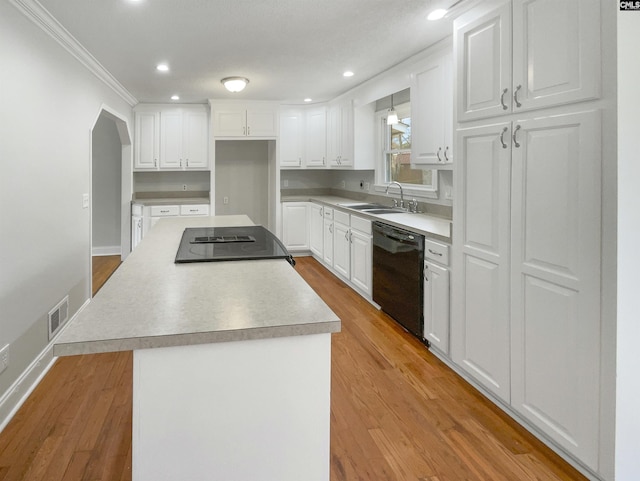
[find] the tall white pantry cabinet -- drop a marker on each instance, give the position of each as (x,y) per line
(527,214)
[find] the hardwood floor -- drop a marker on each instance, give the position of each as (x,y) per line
(397,413)
(102,268)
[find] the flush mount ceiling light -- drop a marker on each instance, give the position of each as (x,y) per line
(234,84)
(437,14)
(175,97)
(392,116)
(162,67)
(308,100)
(348,73)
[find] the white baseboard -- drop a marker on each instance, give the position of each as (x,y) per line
(106,251)
(20,390)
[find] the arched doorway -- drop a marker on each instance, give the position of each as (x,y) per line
(111,186)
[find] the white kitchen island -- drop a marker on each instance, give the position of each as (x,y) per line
(231,375)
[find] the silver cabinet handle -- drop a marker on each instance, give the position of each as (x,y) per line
(346,235)
(515,131)
(155,162)
(248,130)
(438,154)
(515,96)
(446,157)
(504,106)
(331,228)
(187,162)
(321,211)
(300,161)
(322,160)
(180,162)
(504,146)
(426,268)
(244,131)
(435,253)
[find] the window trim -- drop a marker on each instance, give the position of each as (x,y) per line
(410,190)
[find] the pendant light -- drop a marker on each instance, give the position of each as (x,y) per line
(392,116)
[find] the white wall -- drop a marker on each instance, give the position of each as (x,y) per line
(242,175)
(49,103)
(628,327)
(106,179)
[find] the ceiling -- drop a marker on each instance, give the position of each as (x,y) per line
(288,49)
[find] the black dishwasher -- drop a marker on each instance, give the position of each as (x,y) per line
(398,258)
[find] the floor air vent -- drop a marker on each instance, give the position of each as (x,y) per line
(58,316)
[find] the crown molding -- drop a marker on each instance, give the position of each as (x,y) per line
(47,23)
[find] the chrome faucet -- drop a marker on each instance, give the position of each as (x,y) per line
(401,192)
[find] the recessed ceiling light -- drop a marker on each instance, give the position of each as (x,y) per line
(308,100)
(437,14)
(162,67)
(348,73)
(175,97)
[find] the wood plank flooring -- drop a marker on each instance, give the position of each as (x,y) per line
(102,268)
(397,413)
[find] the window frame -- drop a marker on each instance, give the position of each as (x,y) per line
(383,141)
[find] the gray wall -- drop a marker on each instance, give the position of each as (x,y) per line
(106,179)
(49,104)
(242,175)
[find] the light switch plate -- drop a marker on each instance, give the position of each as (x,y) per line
(85,201)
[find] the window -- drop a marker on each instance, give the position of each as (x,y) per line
(396,154)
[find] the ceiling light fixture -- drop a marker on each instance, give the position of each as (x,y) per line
(348,73)
(175,97)
(392,116)
(437,14)
(308,100)
(234,84)
(162,67)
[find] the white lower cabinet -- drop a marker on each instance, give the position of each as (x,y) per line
(526,320)
(143,218)
(327,235)
(361,255)
(316,229)
(295,226)
(341,244)
(436,295)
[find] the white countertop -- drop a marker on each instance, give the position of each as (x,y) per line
(425,224)
(152,302)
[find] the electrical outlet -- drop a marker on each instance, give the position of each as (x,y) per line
(342,184)
(286,182)
(4,358)
(447,193)
(366,186)
(184,186)
(225,200)
(85,201)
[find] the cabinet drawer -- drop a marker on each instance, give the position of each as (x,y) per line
(436,251)
(341,217)
(360,224)
(164,210)
(136,209)
(194,209)
(328,212)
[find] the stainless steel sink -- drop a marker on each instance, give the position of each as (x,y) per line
(385,211)
(364,206)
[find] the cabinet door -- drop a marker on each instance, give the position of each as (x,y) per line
(427,109)
(480,342)
(556,52)
(171,139)
(555,272)
(484,65)
(361,261)
(290,139)
(345,134)
(196,140)
(316,138)
(229,122)
(333,134)
(341,249)
(295,234)
(262,122)
(316,229)
(136,231)
(436,306)
(328,242)
(147,142)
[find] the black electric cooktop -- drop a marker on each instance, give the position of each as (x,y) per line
(211,244)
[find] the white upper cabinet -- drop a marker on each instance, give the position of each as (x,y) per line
(432,113)
(171,138)
(315,137)
(257,119)
(147,140)
(340,134)
(527,54)
(291,138)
